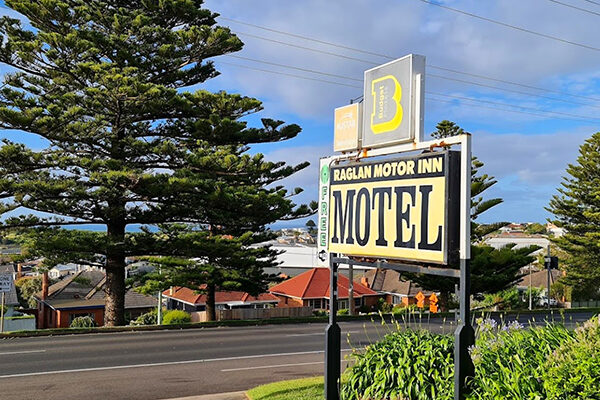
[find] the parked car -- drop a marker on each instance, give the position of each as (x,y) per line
(544,302)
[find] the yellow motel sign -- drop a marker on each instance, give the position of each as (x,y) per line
(403,208)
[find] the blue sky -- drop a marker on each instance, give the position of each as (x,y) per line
(526,153)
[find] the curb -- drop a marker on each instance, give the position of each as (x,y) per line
(216,396)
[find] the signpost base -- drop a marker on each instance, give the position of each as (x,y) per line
(464,336)
(333,351)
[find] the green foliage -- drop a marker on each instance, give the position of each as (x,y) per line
(573,370)
(107,86)
(83,281)
(559,290)
(297,389)
(26,289)
(576,209)
(82,322)
(365,309)
(174,317)
(535,228)
(343,311)
(384,306)
(509,360)
(403,365)
(148,318)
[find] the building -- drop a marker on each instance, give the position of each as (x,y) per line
(519,239)
(390,284)
(82,295)
(311,289)
(182,298)
(539,280)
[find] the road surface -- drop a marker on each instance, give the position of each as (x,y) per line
(169,364)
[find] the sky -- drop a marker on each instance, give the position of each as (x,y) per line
(525,133)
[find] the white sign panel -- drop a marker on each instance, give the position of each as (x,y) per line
(394,102)
(5,283)
(322,238)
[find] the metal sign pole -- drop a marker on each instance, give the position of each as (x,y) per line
(332,337)
(464,336)
(2,316)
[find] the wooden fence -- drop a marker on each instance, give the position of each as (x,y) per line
(255,313)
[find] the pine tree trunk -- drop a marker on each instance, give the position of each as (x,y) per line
(210,303)
(114,308)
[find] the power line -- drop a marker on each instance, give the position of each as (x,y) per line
(431,75)
(503,109)
(307,38)
(579,117)
(509,90)
(560,115)
(593,2)
(290,75)
(493,21)
(292,67)
(479,76)
(306,48)
(575,7)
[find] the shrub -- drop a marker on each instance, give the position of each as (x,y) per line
(404,365)
(573,370)
(509,360)
(384,306)
(364,309)
(343,311)
(148,318)
(319,313)
(83,322)
(174,317)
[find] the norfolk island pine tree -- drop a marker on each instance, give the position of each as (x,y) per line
(103,84)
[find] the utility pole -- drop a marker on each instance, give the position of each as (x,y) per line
(549,264)
(530,287)
(2,314)
(159,312)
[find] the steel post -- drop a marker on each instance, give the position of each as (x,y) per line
(332,338)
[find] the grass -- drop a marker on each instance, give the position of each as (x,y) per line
(297,389)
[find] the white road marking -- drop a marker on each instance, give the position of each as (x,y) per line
(271,366)
(314,334)
(161,364)
(22,352)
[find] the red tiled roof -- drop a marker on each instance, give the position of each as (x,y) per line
(315,284)
(191,296)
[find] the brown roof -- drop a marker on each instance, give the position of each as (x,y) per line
(390,281)
(539,279)
(194,297)
(86,289)
(314,284)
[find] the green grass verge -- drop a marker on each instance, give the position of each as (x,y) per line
(297,389)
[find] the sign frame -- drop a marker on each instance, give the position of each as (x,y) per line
(464,333)
(451,175)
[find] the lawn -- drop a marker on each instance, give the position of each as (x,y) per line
(297,389)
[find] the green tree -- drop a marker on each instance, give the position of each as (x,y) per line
(26,289)
(312,226)
(577,209)
(491,270)
(107,87)
(535,228)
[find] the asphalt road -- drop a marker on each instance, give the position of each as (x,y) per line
(170,364)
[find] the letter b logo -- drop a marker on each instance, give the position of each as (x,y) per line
(387,112)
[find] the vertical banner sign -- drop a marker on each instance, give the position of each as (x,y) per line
(347,127)
(323,224)
(5,283)
(403,208)
(394,102)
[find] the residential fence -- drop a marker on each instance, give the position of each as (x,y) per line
(25,323)
(585,303)
(255,313)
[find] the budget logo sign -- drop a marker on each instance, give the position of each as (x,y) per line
(404,208)
(393,102)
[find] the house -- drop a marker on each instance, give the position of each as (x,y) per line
(311,289)
(61,270)
(79,295)
(519,239)
(390,284)
(539,279)
(182,298)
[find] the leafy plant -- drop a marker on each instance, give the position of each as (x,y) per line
(174,317)
(82,322)
(404,365)
(343,311)
(573,370)
(148,318)
(509,360)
